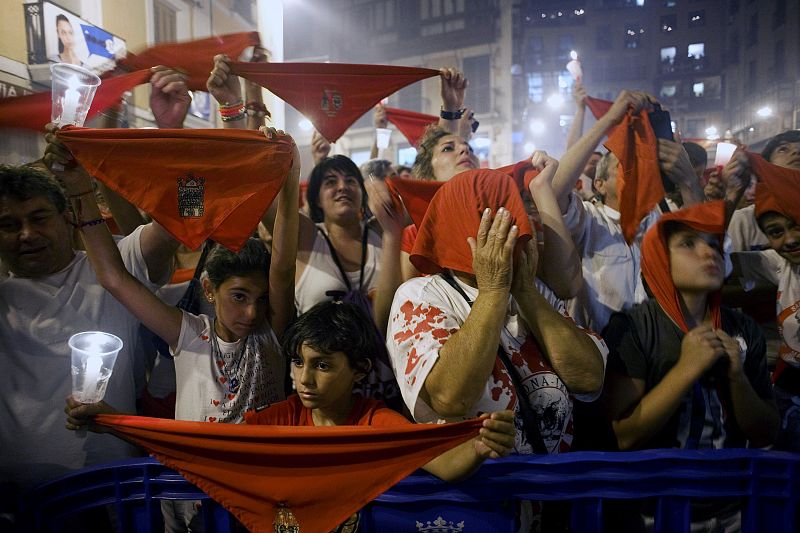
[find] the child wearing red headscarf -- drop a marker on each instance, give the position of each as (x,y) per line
(684,372)
(777,212)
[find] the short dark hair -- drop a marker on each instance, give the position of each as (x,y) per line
(331,327)
(379,168)
(791,136)
(339,163)
(402,168)
(223,263)
(697,154)
(26,182)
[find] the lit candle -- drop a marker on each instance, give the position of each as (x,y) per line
(94,363)
(70,103)
(574,66)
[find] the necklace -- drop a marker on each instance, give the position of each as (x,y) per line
(231,375)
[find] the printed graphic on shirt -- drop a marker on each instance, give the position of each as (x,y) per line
(789,330)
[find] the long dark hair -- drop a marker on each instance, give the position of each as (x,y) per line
(59,18)
(339,163)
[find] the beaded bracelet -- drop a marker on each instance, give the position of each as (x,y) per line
(232,112)
(88,223)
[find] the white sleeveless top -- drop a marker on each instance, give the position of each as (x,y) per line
(322,275)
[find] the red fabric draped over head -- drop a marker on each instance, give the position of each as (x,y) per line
(410,123)
(597,106)
(254,470)
(455,214)
(416,195)
(639,185)
(707,218)
(778,188)
(194,58)
(331,95)
(198,184)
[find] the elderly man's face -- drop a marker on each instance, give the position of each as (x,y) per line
(35,239)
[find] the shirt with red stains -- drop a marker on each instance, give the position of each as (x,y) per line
(426,311)
(203,382)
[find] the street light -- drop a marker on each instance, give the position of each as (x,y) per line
(537,127)
(529,148)
(764,112)
(555,100)
(712,133)
(305,125)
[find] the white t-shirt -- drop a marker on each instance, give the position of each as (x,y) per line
(426,311)
(769,266)
(744,232)
(37,318)
(204,392)
(322,275)
(611,267)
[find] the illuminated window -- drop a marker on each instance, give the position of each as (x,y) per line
(698,89)
(697,19)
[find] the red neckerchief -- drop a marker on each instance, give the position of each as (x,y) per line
(198,184)
(331,95)
(778,188)
(257,471)
(410,123)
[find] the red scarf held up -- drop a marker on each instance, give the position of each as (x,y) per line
(455,213)
(778,188)
(331,95)
(194,58)
(522,173)
(707,218)
(416,195)
(254,470)
(639,183)
(410,123)
(597,106)
(198,184)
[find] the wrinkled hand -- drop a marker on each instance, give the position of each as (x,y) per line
(169,97)
(579,94)
(700,349)
(379,200)
(675,162)
(493,251)
(223,85)
(320,147)
(733,352)
(496,437)
(379,119)
(715,187)
(525,268)
(81,415)
(453,88)
(63,164)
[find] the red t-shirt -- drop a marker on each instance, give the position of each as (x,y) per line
(409,238)
(291,412)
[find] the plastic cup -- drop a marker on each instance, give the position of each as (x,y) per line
(93,356)
(574,68)
(724,153)
(382,137)
(73,91)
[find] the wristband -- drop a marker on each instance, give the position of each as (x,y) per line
(451,115)
(88,223)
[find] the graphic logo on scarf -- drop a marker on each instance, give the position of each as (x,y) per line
(191,196)
(331,102)
(285,521)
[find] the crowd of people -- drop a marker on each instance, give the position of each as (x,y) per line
(518,300)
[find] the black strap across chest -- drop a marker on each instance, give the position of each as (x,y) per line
(338,262)
(530,422)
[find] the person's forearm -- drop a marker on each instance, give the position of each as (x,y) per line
(458,378)
(559,265)
(572,164)
(576,129)
(757,418)
(456,463)
(654,409)
(125,214)
(389,278)
(570,351)
(284,256)
(691,192)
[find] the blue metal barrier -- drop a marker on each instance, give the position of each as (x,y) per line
(766,483)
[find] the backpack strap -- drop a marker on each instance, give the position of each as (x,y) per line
(530,423)
(338,262)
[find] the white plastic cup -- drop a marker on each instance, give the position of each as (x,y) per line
(93,356)
(73,91)
(382,137)
(724,153)
(574,68)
